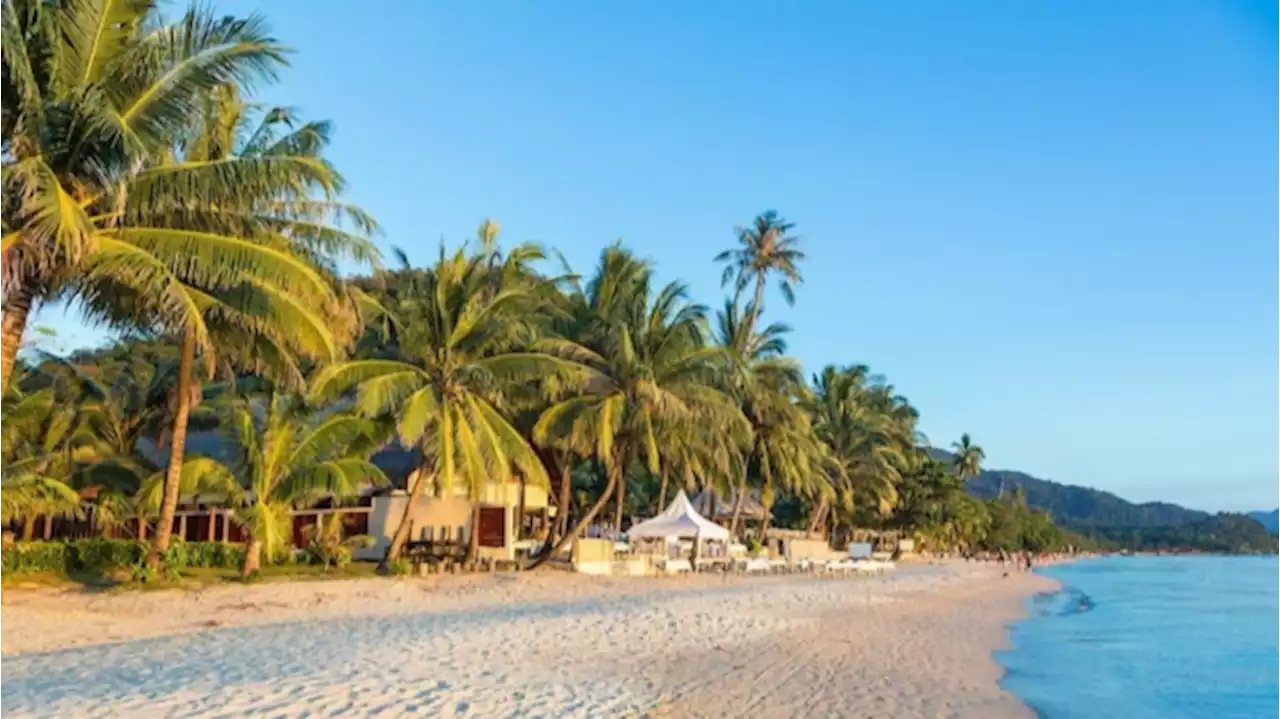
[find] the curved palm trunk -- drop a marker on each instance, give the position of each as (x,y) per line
(173,476)
(662,492)
(566,486)
(758,303)
(252,557)
(737,505)
(817,517)
(14,325)
(622,501)
(473,546)
(520,512)
(584,520)
(402,530)
(28,528)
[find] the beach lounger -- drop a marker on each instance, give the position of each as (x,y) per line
(676,566)
(872,566)
(841,566)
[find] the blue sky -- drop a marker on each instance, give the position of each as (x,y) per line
(1052,225)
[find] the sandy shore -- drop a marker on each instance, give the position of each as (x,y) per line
(916,643)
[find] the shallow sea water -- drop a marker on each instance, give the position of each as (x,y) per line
(1152,637)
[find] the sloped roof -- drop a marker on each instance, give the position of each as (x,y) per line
(679,520)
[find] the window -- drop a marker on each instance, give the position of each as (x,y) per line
(462,535)
(426,534)
(444,534)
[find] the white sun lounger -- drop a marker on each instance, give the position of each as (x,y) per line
(676,566)
(872,566)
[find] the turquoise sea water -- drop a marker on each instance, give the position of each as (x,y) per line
(1152,637)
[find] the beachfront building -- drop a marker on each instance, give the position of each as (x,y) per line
(513,517)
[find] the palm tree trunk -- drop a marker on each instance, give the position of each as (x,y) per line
(402,531)
(14,325)
(473,546)
(566,487)
(178,439)
(737,505)
(551,551)
(520,512)
(662,492)
(758,303)
(252,557)
(622,501)
(817,517)
(28,528)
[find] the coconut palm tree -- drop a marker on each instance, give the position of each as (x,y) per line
(37,455)
(967,462)
(870,433)
(764,382)
(124,188)
(26,494)
(284,456)
(96,92)
(262,319)
(459,340)
(649,365)
(765,248)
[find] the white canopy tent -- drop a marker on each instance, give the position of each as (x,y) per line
(679,521)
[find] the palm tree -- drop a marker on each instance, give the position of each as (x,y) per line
(128,189)
(648,366)
(764,248)
(96,92)
(284,456)
(38,457)
(967,461)
(263,315)
(870,433)
(28,495)
(764,382)
(457,344)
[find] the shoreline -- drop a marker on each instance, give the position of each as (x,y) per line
(919,642)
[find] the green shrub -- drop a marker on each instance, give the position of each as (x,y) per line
(103,556)
(399,567)
(143,573)
(25,557)
(218,555)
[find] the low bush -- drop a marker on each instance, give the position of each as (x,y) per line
(102,556)
(25,557)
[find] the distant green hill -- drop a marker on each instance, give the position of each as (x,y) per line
(1270,520)
(1083,507)
(1075,506)
(1147,526)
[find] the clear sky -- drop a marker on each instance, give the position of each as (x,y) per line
(1051,224)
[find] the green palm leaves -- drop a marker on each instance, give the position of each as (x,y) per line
(765,248)
(967,462)
(282,456)
(870,432)
(648,367)
(461,333)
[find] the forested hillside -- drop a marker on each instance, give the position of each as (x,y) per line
(1111,519)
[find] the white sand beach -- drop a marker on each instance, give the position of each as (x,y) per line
(915,643)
